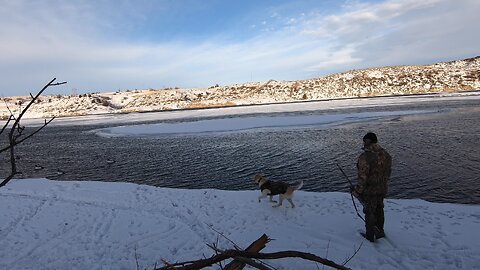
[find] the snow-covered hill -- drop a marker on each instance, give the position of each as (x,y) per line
(460,75)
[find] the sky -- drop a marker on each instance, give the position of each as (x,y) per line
(111,45)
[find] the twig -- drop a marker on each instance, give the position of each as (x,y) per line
(8,108)
(136,257)
(214,246)
(36,96)
(6,123)
(355,253)
(326,255)
(220,233)
(27,137)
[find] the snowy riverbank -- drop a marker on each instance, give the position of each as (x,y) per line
(236,111)
(96,225)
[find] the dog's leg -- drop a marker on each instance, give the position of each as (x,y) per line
(291,202)
(261,197)
(271,199)
(265,193)
(280,201)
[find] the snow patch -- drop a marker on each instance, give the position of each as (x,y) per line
(48,224)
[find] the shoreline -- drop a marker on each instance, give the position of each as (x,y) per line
(283,107)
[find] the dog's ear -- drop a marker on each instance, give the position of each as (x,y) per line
(258,177)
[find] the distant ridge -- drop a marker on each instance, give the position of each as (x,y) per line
(452,76)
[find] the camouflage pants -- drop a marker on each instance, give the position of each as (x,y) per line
(374,216)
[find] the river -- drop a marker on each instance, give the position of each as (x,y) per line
(435,150)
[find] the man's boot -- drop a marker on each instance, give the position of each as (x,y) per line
(369,236)
(379,233)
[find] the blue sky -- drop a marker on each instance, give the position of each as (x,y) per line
(110,45)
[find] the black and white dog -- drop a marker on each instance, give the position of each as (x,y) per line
(272,188)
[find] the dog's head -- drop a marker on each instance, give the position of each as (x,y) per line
(259,178)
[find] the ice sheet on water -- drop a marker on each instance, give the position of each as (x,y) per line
(232,124)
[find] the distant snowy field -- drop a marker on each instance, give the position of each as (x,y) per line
(48,224)
(325,105)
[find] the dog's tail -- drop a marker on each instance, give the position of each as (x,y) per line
(299,186)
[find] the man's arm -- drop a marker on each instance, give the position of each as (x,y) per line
(362,170)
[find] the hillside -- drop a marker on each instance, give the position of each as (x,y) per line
(460,75)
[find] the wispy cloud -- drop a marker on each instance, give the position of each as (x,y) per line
(104,47)
(400,31)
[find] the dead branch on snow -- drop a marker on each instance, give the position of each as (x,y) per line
(248,257)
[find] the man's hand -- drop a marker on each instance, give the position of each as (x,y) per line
(354,192)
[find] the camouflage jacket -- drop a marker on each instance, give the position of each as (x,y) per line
(374,167)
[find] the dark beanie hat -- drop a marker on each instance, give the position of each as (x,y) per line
(370,136)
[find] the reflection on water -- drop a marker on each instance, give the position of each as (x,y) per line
(435,156)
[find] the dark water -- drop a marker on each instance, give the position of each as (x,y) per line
(436,156)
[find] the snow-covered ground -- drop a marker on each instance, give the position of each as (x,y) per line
(48,224)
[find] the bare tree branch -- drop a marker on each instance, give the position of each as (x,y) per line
(256,246)
(8,108)
(36,96)
(27,137)
(249,257)
(6,123)
(253,263)
(16,131)
(227,254)
(236,266)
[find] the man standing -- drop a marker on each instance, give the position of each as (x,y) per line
(374,167)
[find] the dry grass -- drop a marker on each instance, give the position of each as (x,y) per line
(199,105)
